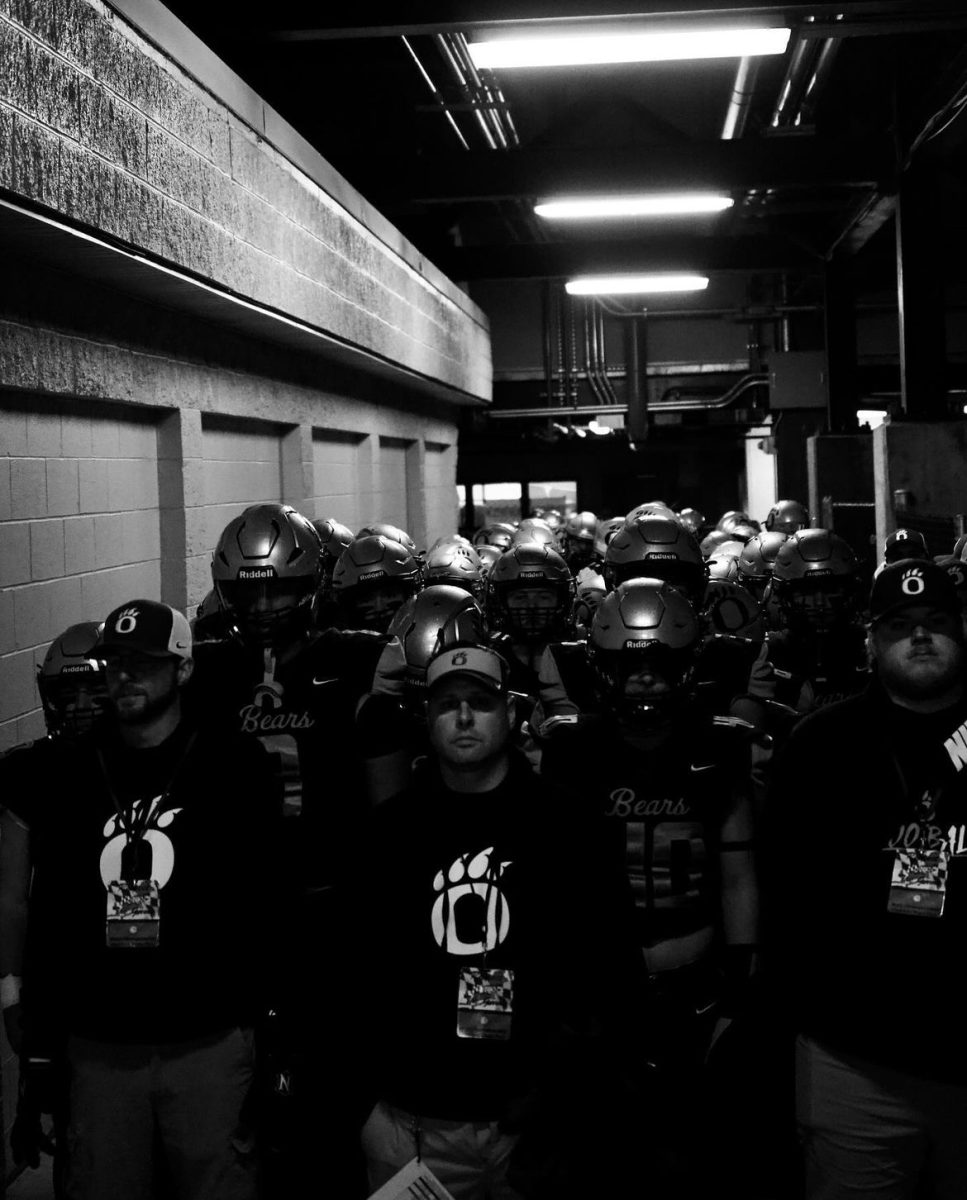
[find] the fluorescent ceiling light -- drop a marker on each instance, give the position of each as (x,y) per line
(573,50)
(632,206)
(613,285)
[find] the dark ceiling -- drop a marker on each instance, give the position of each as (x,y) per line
(865,91)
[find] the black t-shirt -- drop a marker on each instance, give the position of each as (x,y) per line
(858,782)
(492,880)
(210,840)
(319,712)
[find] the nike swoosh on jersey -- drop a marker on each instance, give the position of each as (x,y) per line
(320,682)
(706,767)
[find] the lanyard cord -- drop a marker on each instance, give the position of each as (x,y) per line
(133,826)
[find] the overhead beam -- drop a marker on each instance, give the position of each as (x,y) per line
(776,162)
(556,260)
(488,16)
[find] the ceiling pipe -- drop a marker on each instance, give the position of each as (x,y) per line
(590,366)
(603,355)
(740,102)
(746,384)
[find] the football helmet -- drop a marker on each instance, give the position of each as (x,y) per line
(642,646)
(266,569)
(498,535)
(815,580)
(730,610)
(656,548)
(456,563)
(530,593)
(724,567)
(393,532)
(488,555)
(334,536)
(693,520)
(787,516)
(605,532)
(429,622)
(374,576)
(756,562)
(577,539)
(713,541)
(71,682)
(651,508)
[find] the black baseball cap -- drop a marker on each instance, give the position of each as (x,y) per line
(146,627)
(908,582)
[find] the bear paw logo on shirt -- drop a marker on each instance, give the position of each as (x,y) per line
(911,584)
(470,914)
(162,850)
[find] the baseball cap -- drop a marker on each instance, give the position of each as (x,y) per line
(905,543)
(146,627)
(482,664)
(912,581)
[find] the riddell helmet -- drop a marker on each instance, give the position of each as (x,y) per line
(656,548)
(787,516)
(393,532)
(71,682)
(713,541)
(739,526)
(334,537)
(534,529)
(730,610)
(757,560)
(644,627)
(369,570)
(488,555)
(429,622)
(692,519)
(905,543)
(266,569)
(724,567)
(521,568)
(458,564)
(651,508)
(498,535)
(577,540)
(605,532)
(815,579)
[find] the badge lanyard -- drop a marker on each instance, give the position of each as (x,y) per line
(918,886)
(135,826)
(485,995)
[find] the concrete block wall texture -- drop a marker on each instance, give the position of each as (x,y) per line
(102,501)
(102,126)
(79,530)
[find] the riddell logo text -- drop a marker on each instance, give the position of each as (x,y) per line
(77,669)
(257,573)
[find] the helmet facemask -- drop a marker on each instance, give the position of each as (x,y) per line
(269,611)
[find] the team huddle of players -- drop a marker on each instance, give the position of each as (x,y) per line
(656,662)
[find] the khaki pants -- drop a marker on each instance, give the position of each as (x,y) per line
(143,1113)
(872,1132)
(468,1157)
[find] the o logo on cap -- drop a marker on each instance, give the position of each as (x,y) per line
(459,660)
(127,621)
(912,583)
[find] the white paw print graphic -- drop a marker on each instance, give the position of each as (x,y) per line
(162,850)
(470,903)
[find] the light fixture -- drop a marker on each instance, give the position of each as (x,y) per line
(613,285)
(633,206)
(571,50)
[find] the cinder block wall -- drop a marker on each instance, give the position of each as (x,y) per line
(129,136)
(131,431)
